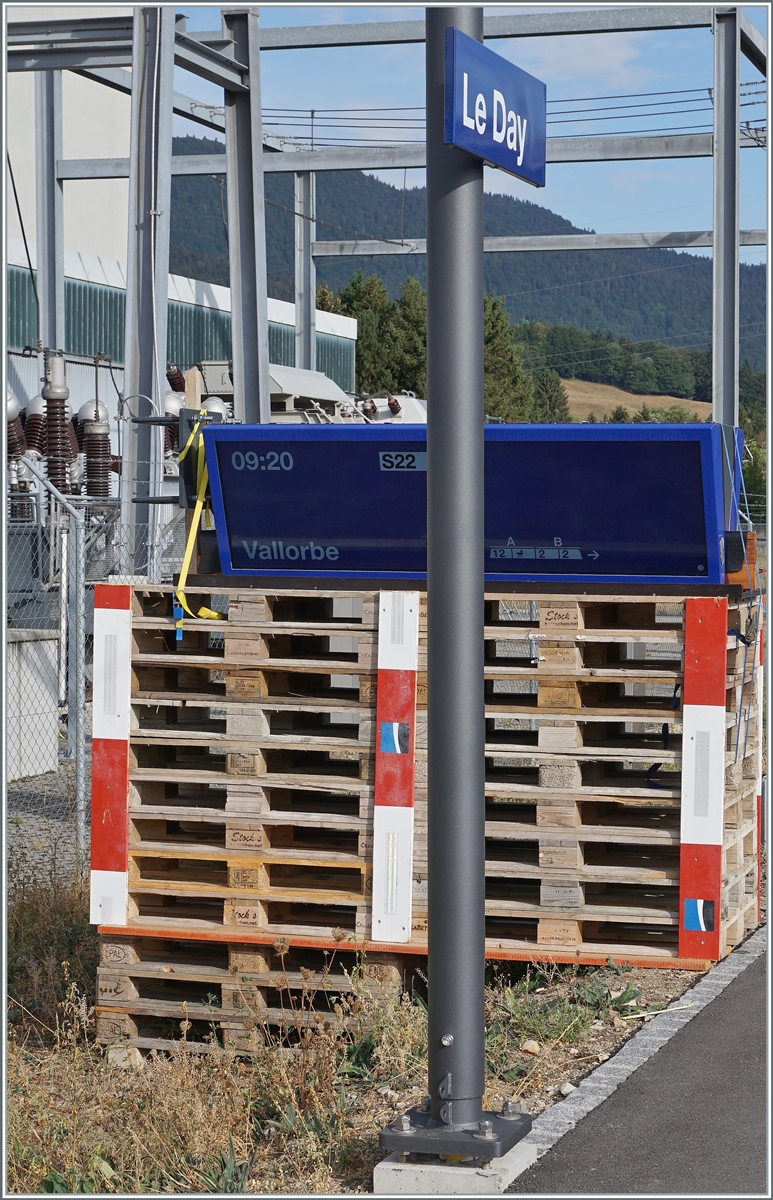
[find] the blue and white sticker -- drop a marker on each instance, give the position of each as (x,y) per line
(395,737)
(699,915)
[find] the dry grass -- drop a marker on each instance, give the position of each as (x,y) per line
(300,1118)
(602,398)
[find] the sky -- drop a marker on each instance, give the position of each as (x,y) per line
(654,195)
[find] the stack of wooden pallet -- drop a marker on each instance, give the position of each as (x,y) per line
(584,784)
(250,752)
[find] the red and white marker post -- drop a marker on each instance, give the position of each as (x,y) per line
(703,776)
(110,754)
(398,661)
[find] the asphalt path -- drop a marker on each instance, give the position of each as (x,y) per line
(690,1121)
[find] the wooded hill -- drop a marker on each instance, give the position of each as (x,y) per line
(641,295)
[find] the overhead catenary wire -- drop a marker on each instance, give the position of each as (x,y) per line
(340,126)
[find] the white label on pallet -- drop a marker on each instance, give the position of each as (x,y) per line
(398,631)
(109,897)
(112,673)
(703,774)
(392,873)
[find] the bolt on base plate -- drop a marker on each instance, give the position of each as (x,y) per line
(494,1135)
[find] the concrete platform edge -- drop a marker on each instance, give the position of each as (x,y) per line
(554,1122)
(391,1177)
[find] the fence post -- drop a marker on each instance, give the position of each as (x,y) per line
(80,690)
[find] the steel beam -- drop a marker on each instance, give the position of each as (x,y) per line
(384,158)
(103,43)
(147,274)
(183,106)
(81,29)
(531,243)
(78,33)
(49,208)
(213,65)
(726,216)
(69,59)
(247,225)
(305,273)
(383,33)
(753,45)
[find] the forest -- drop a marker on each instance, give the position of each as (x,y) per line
(642,295)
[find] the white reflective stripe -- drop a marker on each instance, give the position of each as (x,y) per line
(703,774)
(110,697)
(700,806)
(109,897)
(112,673)
(398,631)
(392,874)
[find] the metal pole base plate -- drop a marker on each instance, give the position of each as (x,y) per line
(427,1136)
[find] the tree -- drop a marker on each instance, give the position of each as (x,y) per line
(327,301)
(701,368)
(368,301)
(551,399)
(507,386)
(408,338)
(618,416)
(754,473)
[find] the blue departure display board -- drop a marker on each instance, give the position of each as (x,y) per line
(589,503)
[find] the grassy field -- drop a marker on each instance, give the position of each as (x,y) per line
(602,399)
(302,1114)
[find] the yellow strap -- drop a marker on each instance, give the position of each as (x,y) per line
(190,441)
(206,614)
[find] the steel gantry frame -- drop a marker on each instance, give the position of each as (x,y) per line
(101,48)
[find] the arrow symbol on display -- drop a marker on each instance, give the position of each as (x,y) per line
(593,554)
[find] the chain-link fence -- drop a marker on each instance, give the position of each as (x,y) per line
(58,547)
(46,762)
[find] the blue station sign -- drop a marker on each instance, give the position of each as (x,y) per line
(494,110)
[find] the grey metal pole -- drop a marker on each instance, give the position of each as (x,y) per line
(455,545)
(80,690)
(147,273)
(305,271)
(727,120)
(49,206)
(247,225)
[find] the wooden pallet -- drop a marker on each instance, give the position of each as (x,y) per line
(252,759)
(157,992)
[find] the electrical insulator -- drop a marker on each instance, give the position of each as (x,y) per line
(96,442)
(72,435)
(35,426)
(175,378)
(395,406)
(56,394)
(92,410)
(17,443)
(173,402)
(213,404)
(370,408)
